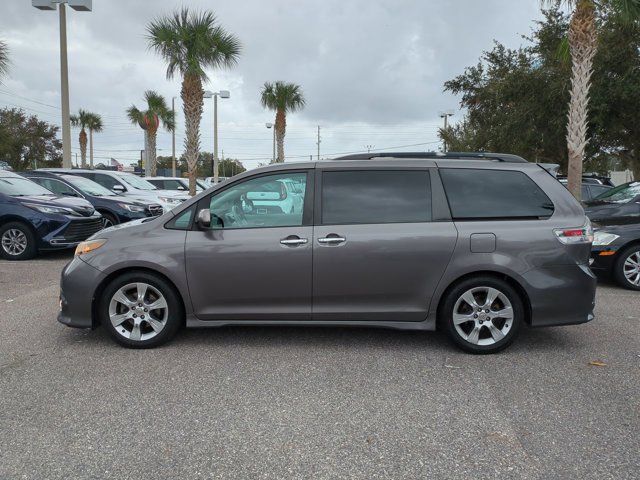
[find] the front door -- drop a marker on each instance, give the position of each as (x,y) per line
(255,261)
(377,254)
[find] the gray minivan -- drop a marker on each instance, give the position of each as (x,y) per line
(474,244)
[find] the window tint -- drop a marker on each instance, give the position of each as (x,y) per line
(381,196)
(259,202)
(56,186)
(475,193)
(105,180)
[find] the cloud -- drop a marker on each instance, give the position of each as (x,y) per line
(372,71)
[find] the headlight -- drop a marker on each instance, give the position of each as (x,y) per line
(132,208)
(604,238)
(51,209)
(171,200)
(89,246)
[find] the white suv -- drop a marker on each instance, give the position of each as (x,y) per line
(131,186)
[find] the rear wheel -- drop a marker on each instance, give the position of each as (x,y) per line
(17,241)
(482,314)
(140,310)
(626,270)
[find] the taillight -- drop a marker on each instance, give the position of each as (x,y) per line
(575,235)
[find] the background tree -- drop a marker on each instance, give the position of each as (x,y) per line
(4,59)
(190,43)
(149,120)
(583,45)
(281,97)
(27,142)
(81,120)
(516,100)
(94,124)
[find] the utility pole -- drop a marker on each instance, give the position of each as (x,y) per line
(445,115)
(173,138)
(318,142)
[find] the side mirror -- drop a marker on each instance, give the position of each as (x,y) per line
(204,218)
(118,188)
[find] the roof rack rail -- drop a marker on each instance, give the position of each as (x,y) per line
(500,157)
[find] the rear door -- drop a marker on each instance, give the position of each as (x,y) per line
(379,250)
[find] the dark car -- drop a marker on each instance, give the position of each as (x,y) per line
(589,190)
(34,219)
(619,205)
(113,207)
(616,253)
(475,244)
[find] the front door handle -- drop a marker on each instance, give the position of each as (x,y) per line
(332,239)
(293,240)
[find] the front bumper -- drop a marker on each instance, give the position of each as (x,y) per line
(602,258)
(71,233)
(560,295)
(78,282)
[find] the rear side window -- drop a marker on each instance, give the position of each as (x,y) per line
(499,194)
(380,196)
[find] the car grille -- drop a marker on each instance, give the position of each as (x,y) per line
(154,210)
(79,230)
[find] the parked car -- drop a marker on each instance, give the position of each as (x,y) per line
(33,219)
(619,205)
(478,244)
(129,185)
(589,190)
(5,166)
(209,182)
(175,184)
(616,253)
(591,179)
(113,207)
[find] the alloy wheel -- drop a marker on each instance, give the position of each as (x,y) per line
(631,268)
(483,316)
(106,223)
(138,311)
(14,242)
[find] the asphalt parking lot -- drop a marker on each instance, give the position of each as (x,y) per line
(312,403)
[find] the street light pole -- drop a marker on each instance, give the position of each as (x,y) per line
(173,138)
(215,95)
(78,5)
(271,125)
(445,115)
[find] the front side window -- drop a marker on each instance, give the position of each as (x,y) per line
(56,186)
(495,194)
(259,203)
(376,196)
(105,180)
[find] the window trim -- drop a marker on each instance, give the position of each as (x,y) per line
(496,219)
(307,210)
(319,181)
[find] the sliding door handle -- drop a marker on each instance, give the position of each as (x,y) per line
(293,241)
(332,240)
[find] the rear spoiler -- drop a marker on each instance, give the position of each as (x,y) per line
(552,168)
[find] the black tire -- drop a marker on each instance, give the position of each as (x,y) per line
(109,217)
(618,267)
(29,252)
(175,314)
(446,315)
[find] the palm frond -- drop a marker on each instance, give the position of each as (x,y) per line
(134,115)
(4,59)
(95,122)
(284,96)
(192,41)
(80,119)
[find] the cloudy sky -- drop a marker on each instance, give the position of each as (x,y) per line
(372,71)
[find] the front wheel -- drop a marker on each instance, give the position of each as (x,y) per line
(482,314)
(17,241)
(140,310)
(626,270)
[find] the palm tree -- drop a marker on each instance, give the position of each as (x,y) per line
(190,42)
(4,59)
(94,124)
(149,120)
(282,97)
(82,120)
(583,45)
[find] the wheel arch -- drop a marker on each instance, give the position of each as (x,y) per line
(488,273)
(115,274)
